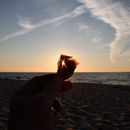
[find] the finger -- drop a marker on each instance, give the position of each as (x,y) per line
(57,105)
(35,85)
(67,85)
(55,114)
(52,90)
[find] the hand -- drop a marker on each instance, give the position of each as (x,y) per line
(31,105)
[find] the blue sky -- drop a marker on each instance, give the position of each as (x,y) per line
(33,33)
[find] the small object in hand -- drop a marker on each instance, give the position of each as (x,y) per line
(66,66)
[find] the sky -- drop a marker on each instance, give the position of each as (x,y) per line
(33,34)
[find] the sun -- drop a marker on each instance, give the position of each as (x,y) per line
(63,63)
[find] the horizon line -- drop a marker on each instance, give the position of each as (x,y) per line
(56,72)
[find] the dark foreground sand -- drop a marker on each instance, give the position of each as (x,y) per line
(86,106)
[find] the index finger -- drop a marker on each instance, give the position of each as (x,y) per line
(35,85)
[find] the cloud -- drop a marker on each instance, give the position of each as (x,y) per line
(117,16)
(15,34)
(96,40)
(24,22)
(83,27)
(27,25)
(76,12)
(126,54)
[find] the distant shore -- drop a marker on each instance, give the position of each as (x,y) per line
(88,106)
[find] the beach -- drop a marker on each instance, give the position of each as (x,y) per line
(87,106)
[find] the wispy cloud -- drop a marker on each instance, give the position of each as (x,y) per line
(117,16)
(96,40)
(27,25)
(83,27)
(126,54)
(24,22)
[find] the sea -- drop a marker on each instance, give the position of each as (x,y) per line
(118,78)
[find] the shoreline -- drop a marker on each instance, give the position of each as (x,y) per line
(79,83)
(114,78)
(87,106)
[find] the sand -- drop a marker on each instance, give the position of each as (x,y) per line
(86,106)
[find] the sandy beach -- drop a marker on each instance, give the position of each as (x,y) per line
(86,106)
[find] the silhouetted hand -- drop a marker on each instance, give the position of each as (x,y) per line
(31,105)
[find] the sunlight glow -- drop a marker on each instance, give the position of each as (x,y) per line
(63,63)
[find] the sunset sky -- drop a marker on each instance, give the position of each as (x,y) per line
(33,34)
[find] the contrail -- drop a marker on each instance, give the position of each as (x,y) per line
(27,26)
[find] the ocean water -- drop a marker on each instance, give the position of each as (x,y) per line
(122,78)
